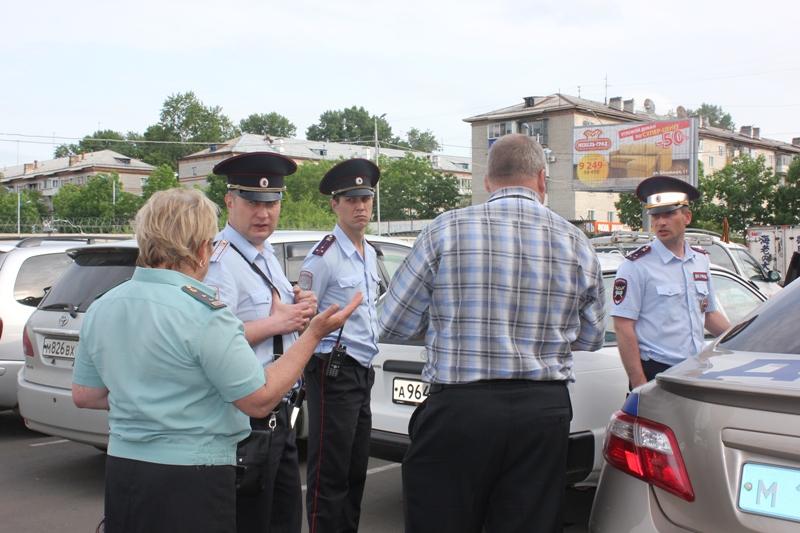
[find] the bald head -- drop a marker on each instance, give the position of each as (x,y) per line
(515,160)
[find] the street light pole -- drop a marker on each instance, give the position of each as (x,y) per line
(377,156)
(19,203)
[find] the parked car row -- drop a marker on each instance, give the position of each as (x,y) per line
(28,267)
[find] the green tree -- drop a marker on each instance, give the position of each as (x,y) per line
(422,141)
(785,202)
(94,200)
(716,116)
(184,119)
(739,192)
(160,179)
(103,140)
(412,189)
(353,124)
(28,201)
(268,124)
(216,189)
(630,210)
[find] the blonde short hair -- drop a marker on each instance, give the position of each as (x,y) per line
(171,227)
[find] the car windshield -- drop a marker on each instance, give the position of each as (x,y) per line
(771,330)
(750,267)
(90,275)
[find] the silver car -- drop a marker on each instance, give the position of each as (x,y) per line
(713,444)
(599,388)
(28,267)
(51,334)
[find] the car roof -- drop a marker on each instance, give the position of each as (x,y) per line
(278,237)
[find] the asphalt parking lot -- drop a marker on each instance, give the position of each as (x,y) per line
(54,485)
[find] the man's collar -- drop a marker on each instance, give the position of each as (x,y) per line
(514,191)
(344,241)
(246,247)
(666,255)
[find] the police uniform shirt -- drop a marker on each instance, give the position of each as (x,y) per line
(668,298)
(245,292)
(335,275)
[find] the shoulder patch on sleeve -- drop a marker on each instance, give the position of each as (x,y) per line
(202,297)
(620,289)
(639,253)
(306,280)
(700,250)
(324,245)
(219,249)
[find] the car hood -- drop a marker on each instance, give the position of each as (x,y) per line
(752,380)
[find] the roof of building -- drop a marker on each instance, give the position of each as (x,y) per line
(303,149)
(107,159)
(541,105)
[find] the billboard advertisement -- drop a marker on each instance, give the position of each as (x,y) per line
(616,157)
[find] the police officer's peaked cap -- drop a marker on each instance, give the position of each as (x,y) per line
(662,194)
(354,177)
(257,176)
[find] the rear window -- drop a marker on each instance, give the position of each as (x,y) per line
(36,274)
(90,275)
(772,330)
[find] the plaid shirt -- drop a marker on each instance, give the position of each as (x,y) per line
(503,289)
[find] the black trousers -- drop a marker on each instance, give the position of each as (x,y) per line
(490,454)
(339,427)
(652,368)
(151,498)
(279,507)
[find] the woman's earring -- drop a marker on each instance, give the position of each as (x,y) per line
(202,264)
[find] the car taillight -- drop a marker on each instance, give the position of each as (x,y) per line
(27,347)
(648,451)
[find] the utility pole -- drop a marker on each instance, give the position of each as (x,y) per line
(377,156)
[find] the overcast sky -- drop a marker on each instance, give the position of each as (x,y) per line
(71,68)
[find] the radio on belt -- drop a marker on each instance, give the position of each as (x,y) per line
(337,357)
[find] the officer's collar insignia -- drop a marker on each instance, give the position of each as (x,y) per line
(639,253)
(202,297)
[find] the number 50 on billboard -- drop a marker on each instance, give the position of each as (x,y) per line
(617,157)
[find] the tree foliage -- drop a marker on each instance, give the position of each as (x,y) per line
(422,141)
(271,124)
(216,189)
(630,210)
(785,202)
(353,124)
(95,199)
(103,140)
(160,179)
(411,189)
(29,202)
(716,116)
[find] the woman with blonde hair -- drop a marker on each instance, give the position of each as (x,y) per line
(173,368)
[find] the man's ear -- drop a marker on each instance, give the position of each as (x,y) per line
(486,182)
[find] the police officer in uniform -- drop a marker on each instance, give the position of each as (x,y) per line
(663,295)
(248,278)
(337,385)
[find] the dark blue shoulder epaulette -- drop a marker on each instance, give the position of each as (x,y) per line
(371,244)
(639,253)
(324,245)
(203,297)
(698,249)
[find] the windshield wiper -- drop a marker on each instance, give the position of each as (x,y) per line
(73,311)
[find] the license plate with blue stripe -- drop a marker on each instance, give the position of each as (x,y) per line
(770,491)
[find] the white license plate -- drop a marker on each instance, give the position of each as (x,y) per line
(59,348)
(409,391)
(770,491)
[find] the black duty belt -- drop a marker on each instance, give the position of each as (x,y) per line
(348,361)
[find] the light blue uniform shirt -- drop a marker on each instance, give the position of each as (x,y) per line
(245,292)
(335,277)
(668,298)
(172,365)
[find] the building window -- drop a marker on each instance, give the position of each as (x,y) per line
(495,131)
(54,184)
(701,146)
(771,160)
(536,129)
(144,182)
(722,151)
(611,216)
(194,171)
(711,161)
(591,214)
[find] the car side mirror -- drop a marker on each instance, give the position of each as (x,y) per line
(774,275)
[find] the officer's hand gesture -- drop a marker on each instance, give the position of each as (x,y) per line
(329,320)
(291,317)
(301,296)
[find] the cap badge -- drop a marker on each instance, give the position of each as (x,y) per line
(359,180)
(658,198)
(264,183)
